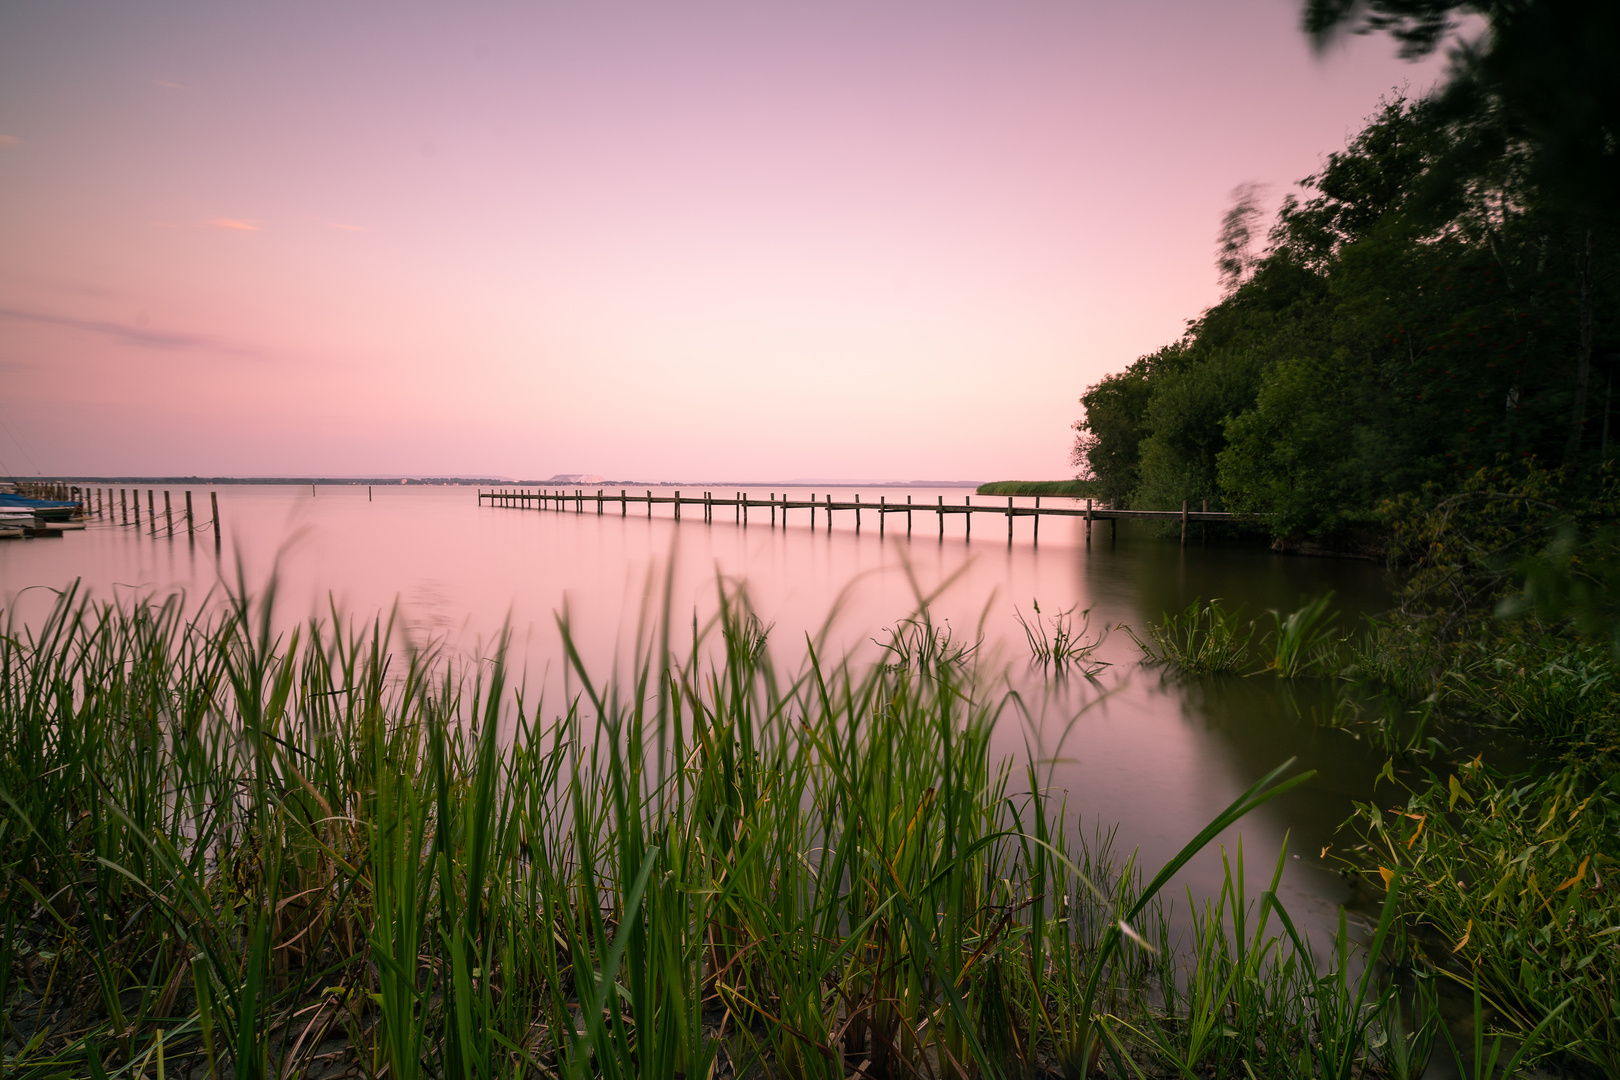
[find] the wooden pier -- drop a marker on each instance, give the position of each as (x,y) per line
(707,503)
(99,503)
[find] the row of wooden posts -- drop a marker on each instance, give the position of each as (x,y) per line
(741,503)
(99,502)
(39,489)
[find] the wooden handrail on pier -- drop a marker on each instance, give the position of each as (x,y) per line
(602,501)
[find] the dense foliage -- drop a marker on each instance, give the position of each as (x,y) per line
(1426,309)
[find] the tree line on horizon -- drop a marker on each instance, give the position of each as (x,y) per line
(1437,299)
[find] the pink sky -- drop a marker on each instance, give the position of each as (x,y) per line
(693,240)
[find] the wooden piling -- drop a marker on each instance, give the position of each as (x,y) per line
(191,524)
(1088,521)
(1037,521)
(857,513)
(942,519)
(151,510)
(812,511)
(168,513)
(123,504)
(883,513)
(967,501)
(135,497)
(1183,522)
(1009,521)
(773,509)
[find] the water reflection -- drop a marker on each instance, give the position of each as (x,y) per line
(1160,756)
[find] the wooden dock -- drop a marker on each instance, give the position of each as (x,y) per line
(707,503)
(113,506)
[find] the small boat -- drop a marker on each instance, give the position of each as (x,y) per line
(13,523)
(44,509)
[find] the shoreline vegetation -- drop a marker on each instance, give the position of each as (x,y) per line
(1414,358)
(1071,489)
(232,851)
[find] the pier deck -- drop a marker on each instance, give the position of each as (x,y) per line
(603,501)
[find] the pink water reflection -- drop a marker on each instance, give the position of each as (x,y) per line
(1155,756)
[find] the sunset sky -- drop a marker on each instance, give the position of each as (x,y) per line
(685,241)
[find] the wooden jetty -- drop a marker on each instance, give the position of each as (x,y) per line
(603,501)
(100,503)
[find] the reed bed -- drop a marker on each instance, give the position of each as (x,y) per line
(232,851)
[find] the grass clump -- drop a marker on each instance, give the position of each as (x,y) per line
(228,849)
(1204,639)
(1072,489)
(1062,645)
(1303,641)
(1512,880)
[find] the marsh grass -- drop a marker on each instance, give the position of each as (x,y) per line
(1305,641)
(1514,879)
(1205,639)
(233,850)
(1062,645)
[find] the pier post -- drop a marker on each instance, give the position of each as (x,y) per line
(677,506)
(942,519)
(883,513)
(967,501)
(123,504)
(1183,522)
(191,527)
(812,511)
(213,499)
(168,513)
(1088,521)
(135,497)
(151,510)
(1037,520)
(742,497)
(773,509)
(1009,521)
(829,512)
(857,514)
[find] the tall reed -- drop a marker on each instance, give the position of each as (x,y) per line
(259,852)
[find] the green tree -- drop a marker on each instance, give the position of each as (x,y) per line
(1541,81)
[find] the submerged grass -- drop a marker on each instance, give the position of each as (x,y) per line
(231,851)
(1063,645)
(1205,639)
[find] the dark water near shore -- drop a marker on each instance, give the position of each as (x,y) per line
(1155,755)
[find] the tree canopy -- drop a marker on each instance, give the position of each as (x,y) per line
(1426,305)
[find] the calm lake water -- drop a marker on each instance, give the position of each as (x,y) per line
(1155,755)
